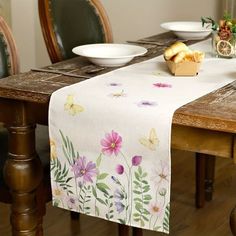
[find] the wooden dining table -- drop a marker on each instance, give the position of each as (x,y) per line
(206,126)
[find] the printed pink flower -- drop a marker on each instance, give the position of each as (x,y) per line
(119,169)
(136,160)
(84,170)
(111,143)
(156,209)
(162,85)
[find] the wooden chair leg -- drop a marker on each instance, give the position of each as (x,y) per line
(200,180)
(233,221)
(209,177)
(123,230)
(137,231)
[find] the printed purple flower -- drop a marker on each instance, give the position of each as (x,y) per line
(118,195)
(71,202)
(84,170)
(115,180)
(114,84)
(146,103)
(162,85)
(119,206)
(119,169)
(136,160)
(111,143)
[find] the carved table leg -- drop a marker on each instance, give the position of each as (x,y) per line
(137,231)
(209,176)
(23,174)
(123,230)
(233,221)
(200,180)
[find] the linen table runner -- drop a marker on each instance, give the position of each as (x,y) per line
(110,139)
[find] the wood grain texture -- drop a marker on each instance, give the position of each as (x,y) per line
(215,111)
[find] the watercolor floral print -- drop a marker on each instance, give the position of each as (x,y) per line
(123,194)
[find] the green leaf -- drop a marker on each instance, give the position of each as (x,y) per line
(144,181)
(142,223)
(145,218)
(140,170)
(138,207)
(147,197)
(101,201)
(102,187)
(137,192)
(136,174)
(102,176)
(98,161)
(137,199)
(146,189)
(136,215)
(137,183)
(144,175)
(96,211)
(121,221)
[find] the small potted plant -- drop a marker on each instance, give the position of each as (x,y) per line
(223,35)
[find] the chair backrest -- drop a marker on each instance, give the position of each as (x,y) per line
(9,60)
(69,23)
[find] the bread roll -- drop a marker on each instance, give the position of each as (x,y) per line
(174,49)
(195,56)
(180,56)
(198,56)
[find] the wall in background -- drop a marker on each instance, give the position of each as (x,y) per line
(130,19)
(5,10)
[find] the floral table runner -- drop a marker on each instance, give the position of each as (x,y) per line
(110,139)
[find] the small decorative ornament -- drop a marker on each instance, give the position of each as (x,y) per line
(223,36)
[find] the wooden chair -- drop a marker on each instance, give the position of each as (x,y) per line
(70,23)
(9,65)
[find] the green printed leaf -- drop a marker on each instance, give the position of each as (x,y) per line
(137,192)
(102,176)
(98,162)
(101,201)
(145,218)
(144,175)
(102,187)
(96,211)
(137,176)
(121,221)
(138,200)
(147,197)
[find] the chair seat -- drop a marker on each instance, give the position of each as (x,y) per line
(42,148)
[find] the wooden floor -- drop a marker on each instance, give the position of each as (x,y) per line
(186,220)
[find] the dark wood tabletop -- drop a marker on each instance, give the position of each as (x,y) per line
(216,110)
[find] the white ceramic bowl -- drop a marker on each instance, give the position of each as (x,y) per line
(109,54)
(190,30)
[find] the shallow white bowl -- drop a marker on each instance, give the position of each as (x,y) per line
(109,54)
(188,29)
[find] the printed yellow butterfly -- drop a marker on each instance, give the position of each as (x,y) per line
(71,107)
(151,142)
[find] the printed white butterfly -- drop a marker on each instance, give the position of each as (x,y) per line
(71,107)
(151,142)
